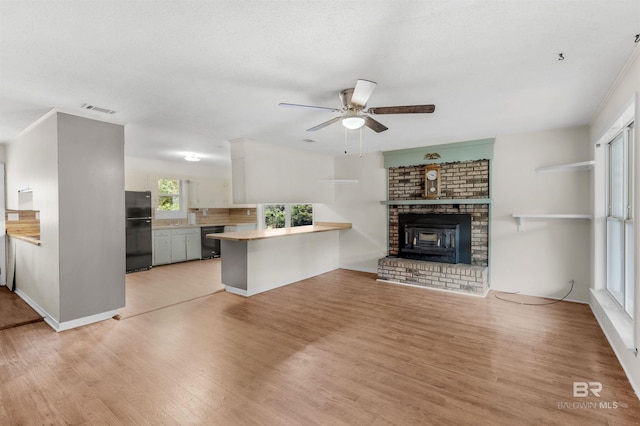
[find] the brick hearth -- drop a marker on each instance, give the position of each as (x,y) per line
(461,278)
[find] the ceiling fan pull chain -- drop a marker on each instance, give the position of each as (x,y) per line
(345,140)
(360,141)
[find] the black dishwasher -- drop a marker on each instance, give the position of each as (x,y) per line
(210,247)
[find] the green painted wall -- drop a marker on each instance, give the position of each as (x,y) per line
(481,149)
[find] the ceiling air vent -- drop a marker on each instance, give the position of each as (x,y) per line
(97,108)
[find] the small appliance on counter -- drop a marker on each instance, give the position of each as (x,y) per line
(138,218)
(191,217)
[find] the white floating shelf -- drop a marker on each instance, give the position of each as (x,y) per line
(520,217)
(571,167)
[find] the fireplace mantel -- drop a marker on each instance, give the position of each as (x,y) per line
(438,201)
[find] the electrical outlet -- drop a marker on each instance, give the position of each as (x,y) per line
(248,212)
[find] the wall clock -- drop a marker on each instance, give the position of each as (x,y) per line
(432,181)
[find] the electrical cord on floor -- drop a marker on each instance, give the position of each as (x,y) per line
(533,304)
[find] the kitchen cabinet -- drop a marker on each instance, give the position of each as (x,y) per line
(194,246)
(206,193)
(137,181)
(161,247)
(185,244)
(176,245)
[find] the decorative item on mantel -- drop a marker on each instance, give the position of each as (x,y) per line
(432,182)
(432,156)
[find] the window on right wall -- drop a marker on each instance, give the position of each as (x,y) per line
(620,268)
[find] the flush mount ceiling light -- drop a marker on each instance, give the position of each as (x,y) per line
(353,122)
(192,157)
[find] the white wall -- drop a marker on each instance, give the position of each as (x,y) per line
(136,170)
(547,254)
(359,204)
(266,173)
(274,262)
(92,217)
(75,167)
(32,162)
(143,174)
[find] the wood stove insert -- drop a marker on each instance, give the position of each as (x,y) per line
(434,237)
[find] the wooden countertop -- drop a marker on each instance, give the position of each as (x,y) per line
(26,238)
(262,234)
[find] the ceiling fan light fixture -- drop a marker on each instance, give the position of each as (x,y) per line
(353,122)
(192,157)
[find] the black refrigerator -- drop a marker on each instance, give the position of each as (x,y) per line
(138,214)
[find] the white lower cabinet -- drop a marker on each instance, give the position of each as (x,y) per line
(194,246)
(161,247)
(176,245)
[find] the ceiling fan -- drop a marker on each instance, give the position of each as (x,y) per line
(355,116)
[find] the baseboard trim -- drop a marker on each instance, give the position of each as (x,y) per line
(79,322)
(234,290)
(31,303)
(66,325)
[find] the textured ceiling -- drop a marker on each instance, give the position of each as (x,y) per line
(188,76)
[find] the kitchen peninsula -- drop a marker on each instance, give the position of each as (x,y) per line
(257,261)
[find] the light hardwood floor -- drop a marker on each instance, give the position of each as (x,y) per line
(14,311)
(338,349)
(166,285)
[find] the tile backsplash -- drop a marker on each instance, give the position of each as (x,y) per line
(22,222)
(214,216)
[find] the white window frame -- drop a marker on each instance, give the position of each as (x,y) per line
(626,244)
(175,214)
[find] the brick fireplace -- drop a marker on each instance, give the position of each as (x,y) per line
(464,191)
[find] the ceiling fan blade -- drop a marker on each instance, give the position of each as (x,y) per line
(362,92)
(282,104)
(407,109)
(325,124)
(374,125)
